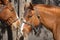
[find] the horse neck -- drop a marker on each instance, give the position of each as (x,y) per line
(47,17)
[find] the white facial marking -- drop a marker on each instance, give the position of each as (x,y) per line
(22,26)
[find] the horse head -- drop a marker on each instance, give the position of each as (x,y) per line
(8,15)
(30,21)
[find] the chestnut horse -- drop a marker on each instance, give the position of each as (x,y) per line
(8,14)
(47,15)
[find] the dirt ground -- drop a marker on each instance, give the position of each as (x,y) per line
(44,35)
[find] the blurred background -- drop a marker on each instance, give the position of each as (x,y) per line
(19,8)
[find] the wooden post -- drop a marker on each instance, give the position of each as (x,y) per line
(21,8)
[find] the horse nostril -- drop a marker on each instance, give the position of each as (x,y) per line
(38,16)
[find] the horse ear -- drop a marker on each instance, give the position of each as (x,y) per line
(31,6)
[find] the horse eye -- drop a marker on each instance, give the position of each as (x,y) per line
(29,16)
(38,16)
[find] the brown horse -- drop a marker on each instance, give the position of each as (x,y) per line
(8,14)
(47,15)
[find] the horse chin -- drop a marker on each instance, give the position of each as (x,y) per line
(16,24)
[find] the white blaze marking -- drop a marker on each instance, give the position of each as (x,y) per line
(22,26)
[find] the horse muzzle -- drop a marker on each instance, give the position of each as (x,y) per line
(16,24)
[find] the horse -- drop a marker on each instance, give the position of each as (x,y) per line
(8,14)
(42,14)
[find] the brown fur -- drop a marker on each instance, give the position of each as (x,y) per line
(8,15)
(49,17)
(8,12)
